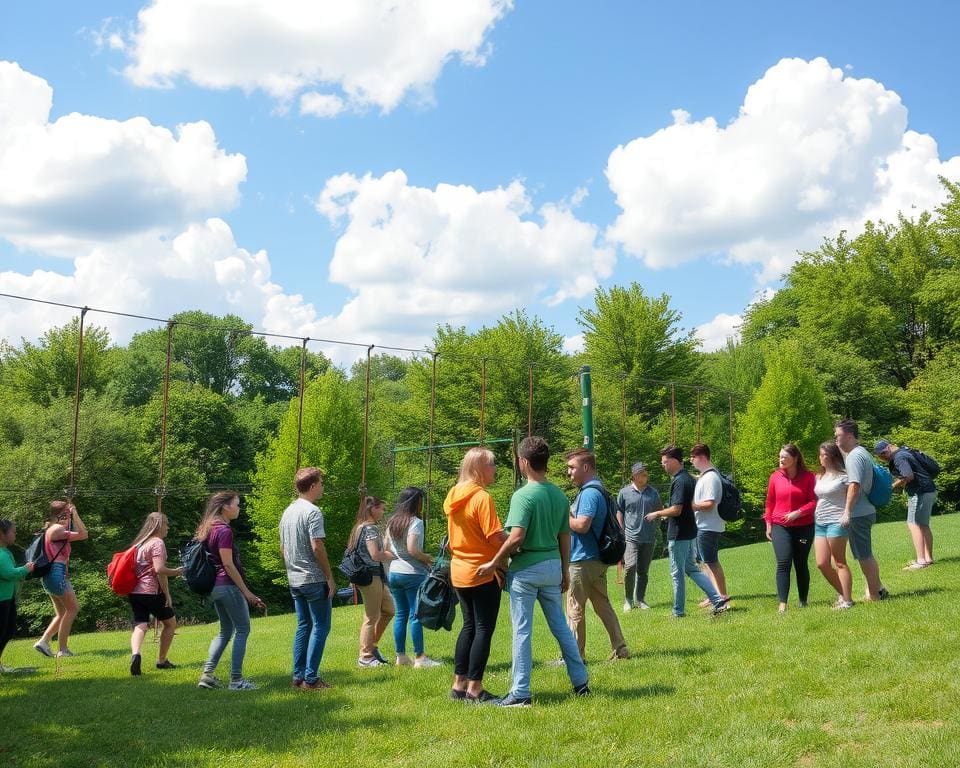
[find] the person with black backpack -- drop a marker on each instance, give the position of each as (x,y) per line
(914,472)
(591,512)
(707,496)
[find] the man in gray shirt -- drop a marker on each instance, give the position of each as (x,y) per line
(634,501)
(310,578)
(859,514)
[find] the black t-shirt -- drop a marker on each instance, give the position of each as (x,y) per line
(902,463)
(683,527)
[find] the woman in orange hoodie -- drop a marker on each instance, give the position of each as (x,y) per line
(475,535)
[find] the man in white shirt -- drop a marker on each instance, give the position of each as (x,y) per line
(706,497)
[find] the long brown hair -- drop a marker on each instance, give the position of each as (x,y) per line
(834,457)
(214,512)
(409,506)
(364,516)
(791,449)
(151,527)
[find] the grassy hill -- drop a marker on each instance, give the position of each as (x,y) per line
(873,686)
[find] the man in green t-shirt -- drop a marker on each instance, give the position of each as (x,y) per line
(539,540)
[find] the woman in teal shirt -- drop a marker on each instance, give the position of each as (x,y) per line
(10,577)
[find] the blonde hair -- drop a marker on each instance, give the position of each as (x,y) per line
(214,511)
(151,528)
(471,468)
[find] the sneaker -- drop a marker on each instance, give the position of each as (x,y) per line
(884,595)
(627,606)
(842,605)
(643,606)
(513,701)
(619,655)
(379,656)
(425,662)
(456,695)
(319,685)
(916,565)
(66,653)
(582,690)
(166,664)
(44,647)
(208,680)
(373,661)
(484,697)
(403,660)
(803,603)
(678,615)
(135,665)
(296,682)
(721,606)
(242,685)
(555,663)
(5,670)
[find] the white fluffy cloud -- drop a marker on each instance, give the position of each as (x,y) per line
(810,152)
(374,52)
(414,256)
(68,185)
(713,334)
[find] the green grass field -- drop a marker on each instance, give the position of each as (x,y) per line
(874,686)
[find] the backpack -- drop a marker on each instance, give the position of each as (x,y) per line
(122,571)
(927,464)
(881,491)
(199,569)
(436,598)
(612,541)
(730,507)
(355,568)
(36,553)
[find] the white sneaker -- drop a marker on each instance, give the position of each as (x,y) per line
(65,654)
(643,606)
(627,606)
(425,662)
(403,660)
(44,647)
(371,662)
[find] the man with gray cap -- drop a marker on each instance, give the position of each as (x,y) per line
(913,474)
(634,501)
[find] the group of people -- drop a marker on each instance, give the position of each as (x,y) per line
(546,547)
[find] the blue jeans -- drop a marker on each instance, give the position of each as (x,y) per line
(234,615)
(312,604)
(540,582)
(404,588)
(681,562)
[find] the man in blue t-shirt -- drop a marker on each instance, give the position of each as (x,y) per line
(588,574)
(921,494)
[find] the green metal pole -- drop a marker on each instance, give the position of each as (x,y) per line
(585,392)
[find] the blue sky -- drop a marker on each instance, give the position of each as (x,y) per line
(531,100)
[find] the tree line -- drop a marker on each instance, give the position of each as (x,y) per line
(865,328)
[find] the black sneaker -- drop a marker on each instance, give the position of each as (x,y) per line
(513,701)
(166,664)
(582,690)
(457,695)
(135,665)
(883,594)
(484,697)
(721,606)
(379,656)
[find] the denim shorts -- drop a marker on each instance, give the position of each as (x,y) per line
(56,581)
(920,507)
(708,545)
(860,544)
(831,531)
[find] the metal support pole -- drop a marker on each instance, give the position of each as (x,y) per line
(623,428)
(673,413)
(433,414)
(587,407)
(483,397)
(698,414)
(732,465)
(72,489)
(161,479)
(530,401)
(366,426)
(303,373)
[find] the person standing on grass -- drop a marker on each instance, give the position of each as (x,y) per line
(789,517)
(407,573)
(911,475)
(377,604)
(62,528)
(859,515)
(474,538)
(588,574)
(831,537)
(707,495)
(231,596)
(10,577)
(681,532)
(308,576)
(151,595)
(634,501)
(539,541)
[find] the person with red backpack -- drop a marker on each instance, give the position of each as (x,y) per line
(151,594)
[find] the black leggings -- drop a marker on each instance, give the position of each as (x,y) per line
(8,622)
(792,545)
(480,606)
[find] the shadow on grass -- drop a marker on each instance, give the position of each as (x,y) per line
(681,653)
(104,722)
(919,592)
(612,692)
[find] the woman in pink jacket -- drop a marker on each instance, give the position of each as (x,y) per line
(789,517)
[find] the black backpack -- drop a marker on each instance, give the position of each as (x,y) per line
(436,598)
(199,569)
(36,553)
(730,507)
(612,541)
(927,464)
